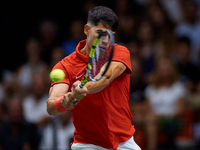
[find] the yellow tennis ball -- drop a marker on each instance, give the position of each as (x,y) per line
(57,75)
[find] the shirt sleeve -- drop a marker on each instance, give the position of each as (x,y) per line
(66,78)
(122,54)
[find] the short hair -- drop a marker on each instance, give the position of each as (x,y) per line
(184,39)
(104,15)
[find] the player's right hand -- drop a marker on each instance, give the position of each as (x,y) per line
(68,101)
(77,92)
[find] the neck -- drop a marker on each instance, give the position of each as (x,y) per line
(85,50)
(165,82)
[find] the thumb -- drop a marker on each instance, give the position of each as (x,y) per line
(75,84)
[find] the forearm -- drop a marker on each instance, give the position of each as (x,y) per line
(51,108)
(116,69)
(94,87)
(55,92)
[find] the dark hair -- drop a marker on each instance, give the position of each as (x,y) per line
(104,15)
(184,39)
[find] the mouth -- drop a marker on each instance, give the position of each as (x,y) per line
(102,48)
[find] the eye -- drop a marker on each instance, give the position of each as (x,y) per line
(99,31)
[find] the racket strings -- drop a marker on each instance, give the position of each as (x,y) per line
(99,61)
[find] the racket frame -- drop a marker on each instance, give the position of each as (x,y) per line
(91,55)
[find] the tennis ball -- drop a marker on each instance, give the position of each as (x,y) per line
(57,75)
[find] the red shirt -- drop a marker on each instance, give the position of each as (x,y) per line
(102,118)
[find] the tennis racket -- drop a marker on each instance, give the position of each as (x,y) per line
(100,57)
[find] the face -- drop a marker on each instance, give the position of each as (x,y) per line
(136,68)
(183,51)
(33,51)
(92,32)
(145,32)
(39,86)
(15,110)
(164,68)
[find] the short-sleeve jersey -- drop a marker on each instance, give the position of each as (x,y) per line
(101,118)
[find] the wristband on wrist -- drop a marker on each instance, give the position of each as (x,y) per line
(58,106)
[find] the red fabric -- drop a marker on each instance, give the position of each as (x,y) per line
(59,107)
(102,118)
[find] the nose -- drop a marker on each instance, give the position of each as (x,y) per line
(105,40)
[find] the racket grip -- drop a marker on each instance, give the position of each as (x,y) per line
(79,86)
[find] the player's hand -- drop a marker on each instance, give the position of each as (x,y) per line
(78,93)
(68,101)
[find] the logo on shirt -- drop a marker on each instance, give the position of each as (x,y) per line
(79,76)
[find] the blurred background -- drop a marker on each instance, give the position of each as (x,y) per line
(163,37)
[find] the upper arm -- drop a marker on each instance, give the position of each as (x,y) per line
(58,90)
(122,55)
(55,91)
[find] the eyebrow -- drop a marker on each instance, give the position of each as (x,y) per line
(114,33)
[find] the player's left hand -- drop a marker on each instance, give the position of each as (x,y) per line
(78,93)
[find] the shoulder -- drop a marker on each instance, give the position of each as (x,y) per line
(149,90)
(121,48)
(179,87)
(69,58)
(122,54)
(72,66)
(66,62)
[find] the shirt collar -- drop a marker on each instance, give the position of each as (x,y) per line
(80,45)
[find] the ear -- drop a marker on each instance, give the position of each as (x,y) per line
(86,29)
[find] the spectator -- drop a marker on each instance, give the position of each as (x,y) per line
(16,133)
(59,133)
(162,27)
(189,72)
(88,4)
(48,37)
(173,9)
(143,118)
(166,96)
(33,65)
(147,51)
(76,35)
(127,22)
(190,28)
(56,56)
(137,84)
(133,45)
(193,98)
(193,103)
(34,104)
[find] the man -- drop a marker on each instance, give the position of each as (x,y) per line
(16,132)
(101,114)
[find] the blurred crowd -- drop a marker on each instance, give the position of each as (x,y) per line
(163,37)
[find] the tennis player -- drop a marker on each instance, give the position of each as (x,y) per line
(100,114)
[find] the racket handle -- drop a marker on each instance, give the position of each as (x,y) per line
(79,86)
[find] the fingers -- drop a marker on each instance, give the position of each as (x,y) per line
(77,92)
(72,98)
(75,84)
(68,101)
